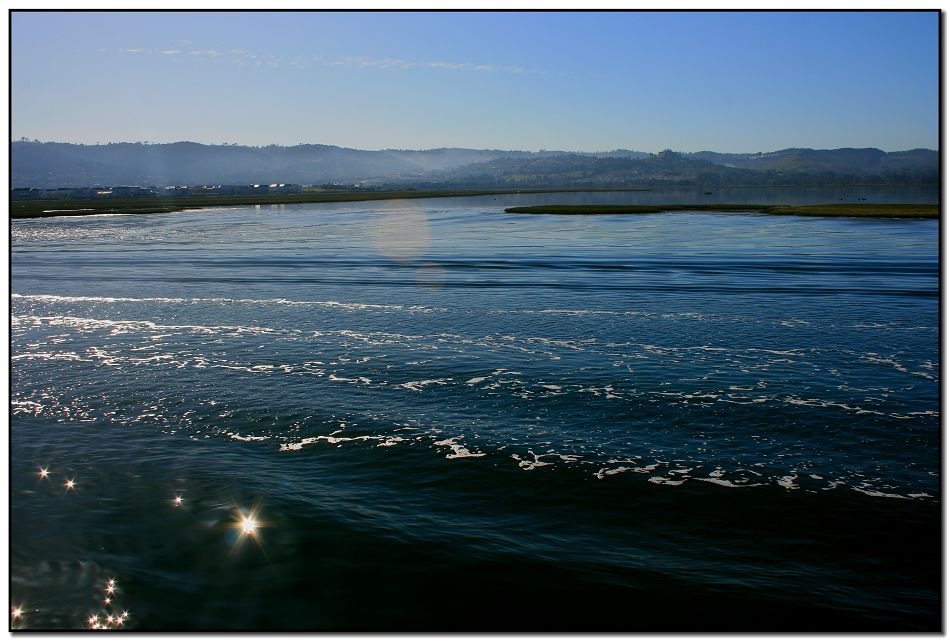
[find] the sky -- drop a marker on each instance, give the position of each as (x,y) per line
(575,81)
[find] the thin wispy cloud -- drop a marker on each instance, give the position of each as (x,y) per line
(243,57)
(399,63)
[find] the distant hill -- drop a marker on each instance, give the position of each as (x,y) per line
(852,161)
(669,167)
(68,165)
(51,164)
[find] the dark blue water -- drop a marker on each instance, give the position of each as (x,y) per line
(444,417)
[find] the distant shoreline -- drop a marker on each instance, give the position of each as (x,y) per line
(22,209)
(92,207)
(862,210)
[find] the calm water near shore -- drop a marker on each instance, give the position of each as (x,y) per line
(445,417)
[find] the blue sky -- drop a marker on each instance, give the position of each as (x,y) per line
(722,81)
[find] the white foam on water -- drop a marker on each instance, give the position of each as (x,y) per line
(869,492)
(873,357)
(725,482)
(333,440)
(240,437)
(245,301)
(458,450)
(416,386)
(604,472)
(48,356)
(788,482)
(794,322)
(129,325)
(534,464)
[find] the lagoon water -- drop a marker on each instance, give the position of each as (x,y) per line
(445,417)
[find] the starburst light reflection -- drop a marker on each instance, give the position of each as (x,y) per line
(44,472)
(248,524)
(70,484)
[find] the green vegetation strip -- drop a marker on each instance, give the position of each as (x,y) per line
(87,207)
(864,210)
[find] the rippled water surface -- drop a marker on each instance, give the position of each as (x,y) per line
(445,417)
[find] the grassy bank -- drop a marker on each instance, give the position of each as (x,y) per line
(45,208)
(863,210)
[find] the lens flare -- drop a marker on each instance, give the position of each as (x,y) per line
(70,484)
(400,233)
(44,472)
(178,501)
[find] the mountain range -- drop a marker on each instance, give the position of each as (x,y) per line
(51,164)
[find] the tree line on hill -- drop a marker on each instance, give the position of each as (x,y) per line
(47,165)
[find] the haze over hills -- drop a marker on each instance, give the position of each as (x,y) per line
(51,164)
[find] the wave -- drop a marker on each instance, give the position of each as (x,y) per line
(51,298)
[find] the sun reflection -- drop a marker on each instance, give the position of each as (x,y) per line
(248,524)
(178,501)
(108,618)
(70,484)
(44,472)
(16,612)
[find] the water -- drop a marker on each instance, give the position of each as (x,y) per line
(445,417)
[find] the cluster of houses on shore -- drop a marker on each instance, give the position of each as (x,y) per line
(127,191)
